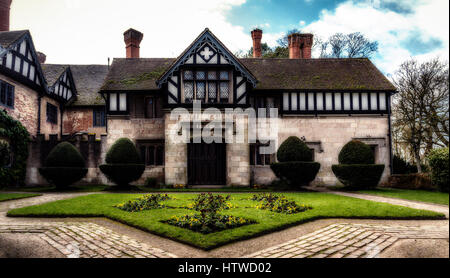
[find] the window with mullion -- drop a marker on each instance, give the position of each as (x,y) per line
(152,154)
(6,94)
(258,159)
(206,85)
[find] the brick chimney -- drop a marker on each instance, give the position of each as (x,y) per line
(132,40)
(41,57)
(5,6)
(306,45)
(256,36)
(300,46)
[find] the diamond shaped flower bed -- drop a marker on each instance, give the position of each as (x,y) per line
(208,219)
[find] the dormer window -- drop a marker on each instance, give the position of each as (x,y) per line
(208,86)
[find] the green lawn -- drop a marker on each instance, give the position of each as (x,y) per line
(414,195)
(13,196)
(324,206)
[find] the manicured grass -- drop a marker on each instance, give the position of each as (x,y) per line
(414,195)
(324,206)
(13,196)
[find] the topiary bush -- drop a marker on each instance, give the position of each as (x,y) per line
(123,163)
(18,137)
(63,166)
(358,176)
(296,172)
(356,152)
(356,168)
(438,160)
(294,149)
(295,166)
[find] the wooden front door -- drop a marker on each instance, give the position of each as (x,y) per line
(206,164)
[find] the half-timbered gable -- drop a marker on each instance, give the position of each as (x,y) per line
(63,87)
(207,71)
(18,60)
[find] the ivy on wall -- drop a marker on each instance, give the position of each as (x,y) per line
(18,138)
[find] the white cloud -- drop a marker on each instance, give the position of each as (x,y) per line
(85,31)
(302,22)
(429,19)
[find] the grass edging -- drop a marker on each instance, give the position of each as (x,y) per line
(16,196)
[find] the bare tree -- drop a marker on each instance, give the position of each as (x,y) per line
(338,43)
(360,46)
(420,110)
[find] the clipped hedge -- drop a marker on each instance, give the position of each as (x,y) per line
(123,151)
(123,163)
(296,172)
(122,174)
(294,149)
(359,176)
(63,166)
(356,152)
(18,138)
(439,164)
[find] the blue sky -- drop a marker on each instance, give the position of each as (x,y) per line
(408,37)
(90,31)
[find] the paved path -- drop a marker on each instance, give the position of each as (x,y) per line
(73,239)
(349,241)
(322,238)
(394,201)
(357,240)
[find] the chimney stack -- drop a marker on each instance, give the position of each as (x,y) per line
(5,6)
(41,57)
(256,36)
(300,46)
(132,40)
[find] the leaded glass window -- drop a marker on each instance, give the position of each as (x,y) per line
(224,75)
(207,86)
(188,75)
(201,89)
(224,91)
(188,91)
(200,75)
(212,92)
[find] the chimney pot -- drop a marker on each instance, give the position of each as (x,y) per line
(257,36)
(132,40)
(41,57)
(5,6)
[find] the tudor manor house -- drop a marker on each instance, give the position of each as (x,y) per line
(326,101)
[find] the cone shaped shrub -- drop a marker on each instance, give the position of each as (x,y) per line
(123,163)
(439,164)
(295,165)
(64,165)
(356,168)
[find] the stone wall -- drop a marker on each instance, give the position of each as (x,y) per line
(137,129)
(91,149)
(80,119)
(25,105)
(330,134)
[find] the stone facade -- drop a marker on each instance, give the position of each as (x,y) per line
(80,119)
(25,105)
(333,132)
